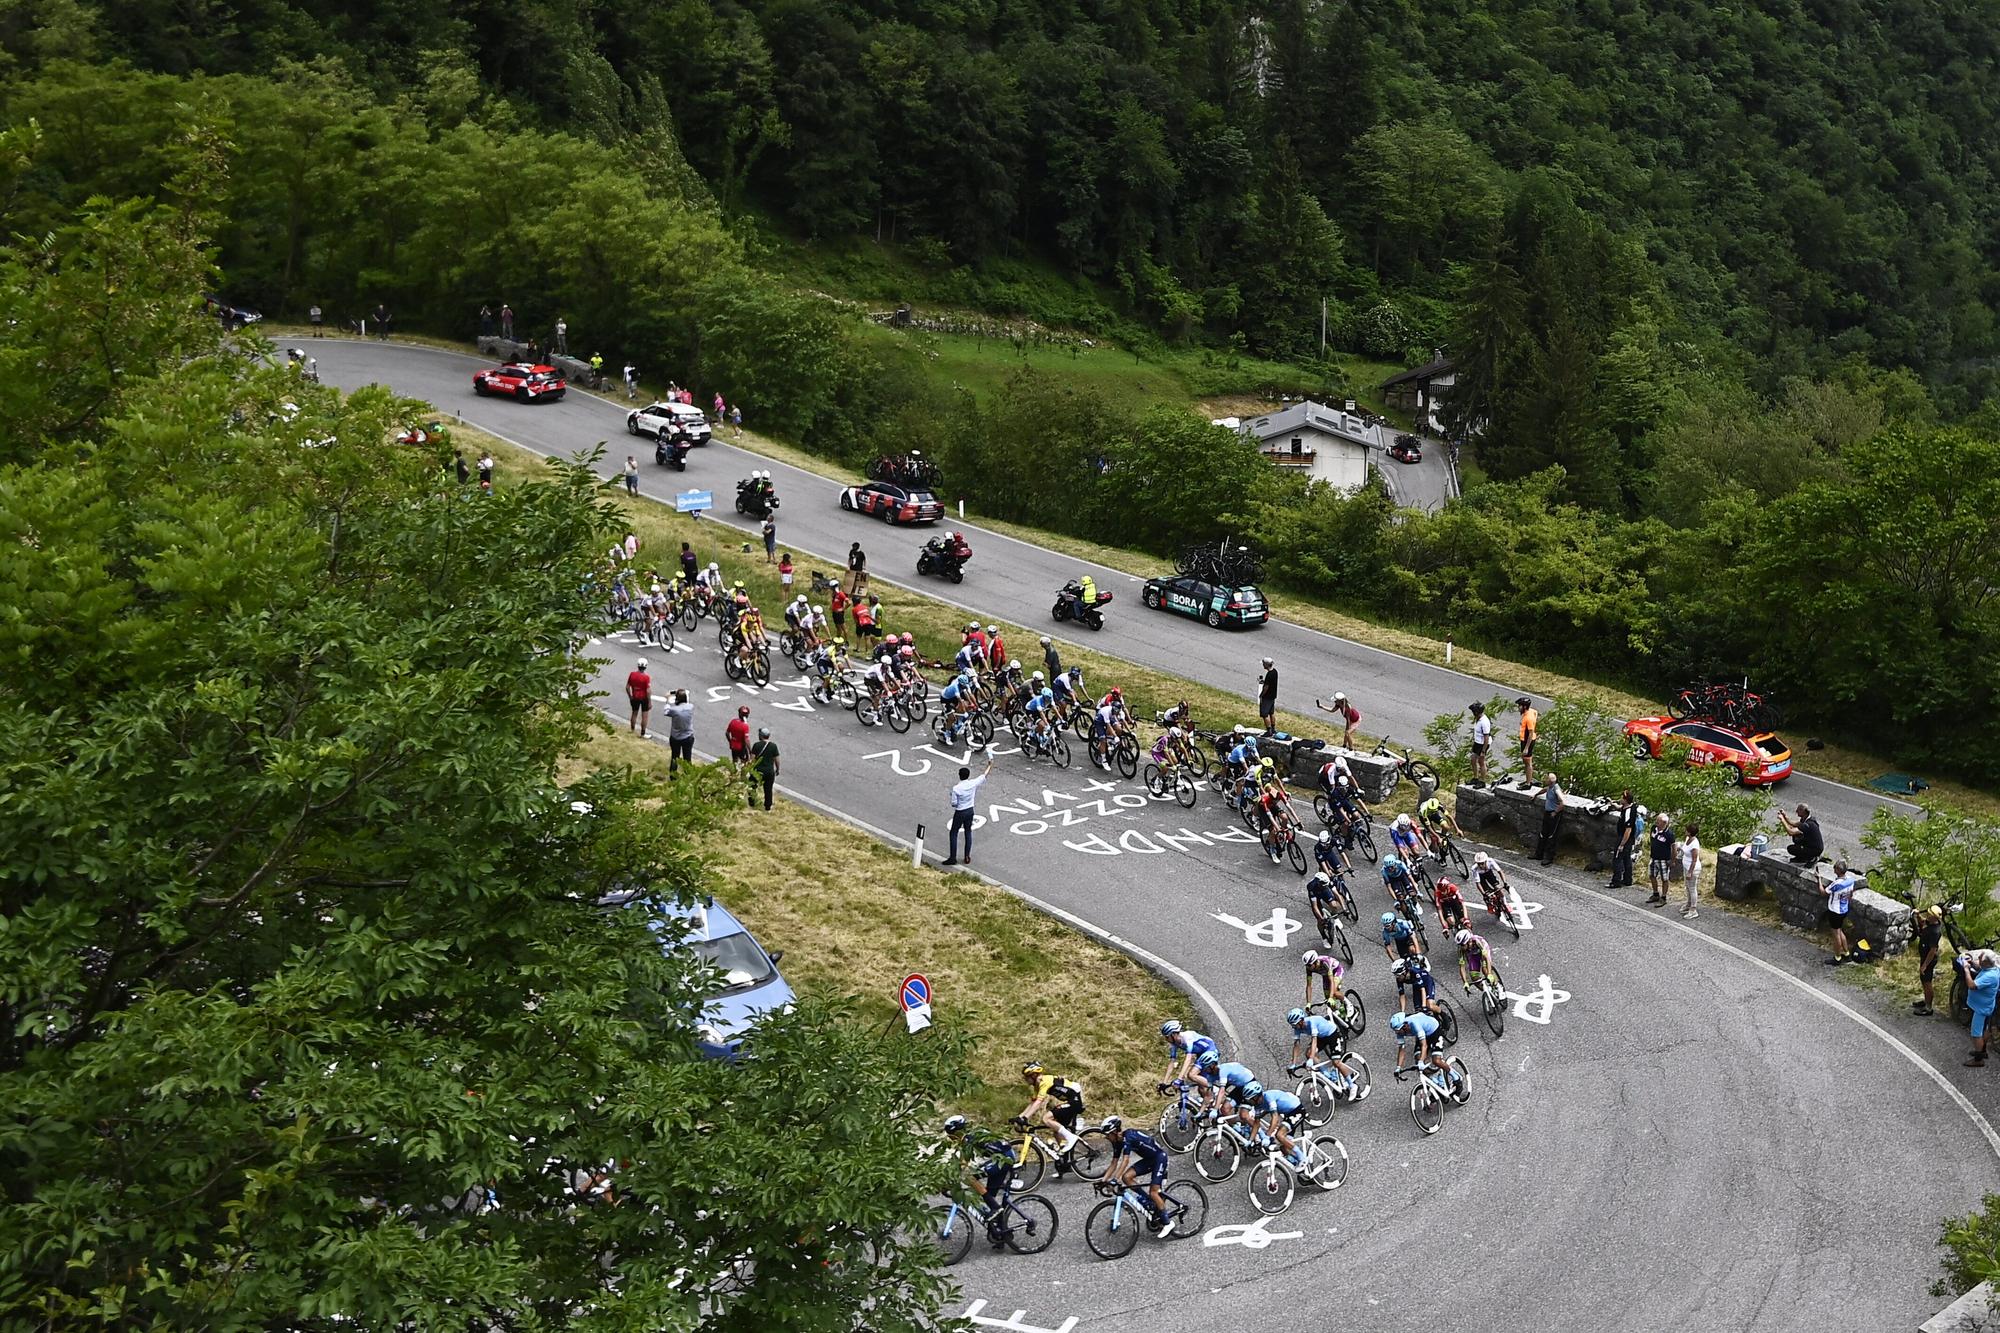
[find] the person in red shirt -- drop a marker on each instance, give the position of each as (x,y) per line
(639,691)
(864,619)
(738,734)
(976,637)
(838,605)
(1348,715)
(996,648)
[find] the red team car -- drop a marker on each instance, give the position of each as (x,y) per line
(518,379)
(1759,759)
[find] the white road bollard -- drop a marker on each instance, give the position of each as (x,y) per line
(917,848)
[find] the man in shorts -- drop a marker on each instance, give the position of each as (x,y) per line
(1482,742)
(1659,859)
(1531,721)
(639,693)
(1926,937)
(738,735)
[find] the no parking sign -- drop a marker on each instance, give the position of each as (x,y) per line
(915,997)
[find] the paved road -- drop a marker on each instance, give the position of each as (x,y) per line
(1424,485)
(1693,1139)
(1008,580)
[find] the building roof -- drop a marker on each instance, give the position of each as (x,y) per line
(1430,370)
(1348,426)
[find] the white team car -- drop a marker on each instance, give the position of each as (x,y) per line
(662,419)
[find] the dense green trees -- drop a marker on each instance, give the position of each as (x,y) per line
(310,1015)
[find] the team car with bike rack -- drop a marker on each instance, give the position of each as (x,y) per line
(521,380)
(1759,758)
(892,503)
(665,421)
(1214,604)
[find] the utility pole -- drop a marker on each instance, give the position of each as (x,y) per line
(1322,328)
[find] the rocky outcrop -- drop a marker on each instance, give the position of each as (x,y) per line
(1741,875)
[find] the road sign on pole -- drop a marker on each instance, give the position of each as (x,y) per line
(690,502)
(915,997)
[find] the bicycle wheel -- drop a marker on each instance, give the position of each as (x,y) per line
(982,728)
(1156,781)
(1422,773)
(1198,761)
(1079,723)
(1188,1206)
(1295,854)
(1112,1229)
(1496,1012)
(1461,1090)
(1326,1162)
(690,617)
(1128,757)
(844,693)
(1217,1156)
(1348,907)
(723,633)
(1270,1186)
(1363,1083)
(1323,809)
(788,642)
(1059,750)
(1029,1173)
(1425,1111)
(1457,858)
(1179,1127)
(893,714)
(867,710)
(916,703)
(732,666)
(1029,1224)
(1447,1022)
(953,1229)
(1365,840)
(1353,1012)
(760,669)
(1090,1154)
(941,726)
(1316,1099)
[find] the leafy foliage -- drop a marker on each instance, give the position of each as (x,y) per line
(1938,857)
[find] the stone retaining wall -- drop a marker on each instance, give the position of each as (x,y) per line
(1517,811)
(1373,775)
(1885,923)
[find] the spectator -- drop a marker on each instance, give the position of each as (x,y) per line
(1839,902)
(770,539)
(1267,697)
(1051,659)
(1926,937)
(689,565)
(1531,721)
(737,733)
(1807,843)
(868,619)
(1552,813)
(763,766)
(631,380)
(837,605)
(631,546)
(1691,869)
(721,412)
(507,321)
(596,370)
(316,319)
(485,321)
(1981,970)
(458,466)
(736,419)
(857,568)
(680,733)
(1660,859)
(1348,715)
(562,336)
(1482,742)
(963,796)
(486,473)
(785,578)
(631,474)
(1627,845)
(639,693)
(534,352)
(996,647)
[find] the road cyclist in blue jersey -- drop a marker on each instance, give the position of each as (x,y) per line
(1230,1078)
(1268,1113)
(1134,1151)
(1331,856)
(957,698)
(985,1157)
(1326,893)
(1190,1056)
(1315,1038)
(1416,985)
(1405,841)
(1239,766)
(1399,937)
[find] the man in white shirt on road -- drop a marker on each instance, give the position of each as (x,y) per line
(963,795)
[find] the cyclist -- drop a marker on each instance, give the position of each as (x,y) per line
(1348,807)
(1491,882)
(1170,748)
(1331,856)
(1326,969)
(1010,676)
(1103,725)
(1133,1151)
(1419,1028)
(984,1157)
(1274,1107)
(1315,1034)
(1414,976)
(749,630)
(1404,841)
(1475,959)
(876,678)
(710,578)
(1068,687)
(1399,937)
(1326,895)
(1229,1076)
(1190,1056)
(1057,1102)
(1180,715)
(969,657)
(975,639)
(1432,821)
(1041,700)
(1450,905)
(824,662)
(1397,879)
(794,610)
(957,696)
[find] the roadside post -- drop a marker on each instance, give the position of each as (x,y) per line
(915,997)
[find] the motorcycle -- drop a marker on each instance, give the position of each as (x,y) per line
(945,556)
(305,366)
(1069,606)
(672,451)
(755,498)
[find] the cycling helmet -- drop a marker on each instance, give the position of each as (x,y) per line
(1392,862)
(817,610)
(1444,884)
(1388,918)
(1311,957)
(1461,937)
(642,664)
(1398,1021)
(1036,677)
(714,568)
(1117,694)
(954,1126)
(1251,1091)
(909,637)
(1479,858)
(1170,1027)
(1402,821)
(800,600)
(739,585)
(1175,731)
(1296,1018)
(992,629)
(1014,664)
(906,653)
(1031,1069)
(1238,729)
(1112,1124)
(839,642)
(1045,641)
(1325,836)
(1048,693)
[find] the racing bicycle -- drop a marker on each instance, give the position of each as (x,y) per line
(1321,1088)
(1180,1121)
(1051,745)
(1358,831)
(1434,1091)
(1445,852)
(1113,1227)
(1023,1223)
(1407,766)
(1492,1002)
(1274,1180)
(1173,777)
(1087,1157)
(950,724)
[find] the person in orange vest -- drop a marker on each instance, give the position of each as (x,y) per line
(838,605)
(1531,721)
(866,618)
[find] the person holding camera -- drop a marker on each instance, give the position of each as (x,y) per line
(1808,843)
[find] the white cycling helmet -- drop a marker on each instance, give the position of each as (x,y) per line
(992,629)
(642,664)
(1037,676)
(819,610)
(714,568)
(1325,836)
(1461,937)
(1014,665)
(1479,858)
(1402,821)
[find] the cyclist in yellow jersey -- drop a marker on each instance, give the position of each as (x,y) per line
(749,632)
(1057,1103)
(1434,819)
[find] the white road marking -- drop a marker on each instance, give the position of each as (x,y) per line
(1269,934)
(1542,1001)
(1250,1235)
(1014,1324)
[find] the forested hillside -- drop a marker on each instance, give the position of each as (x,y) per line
(1720,279)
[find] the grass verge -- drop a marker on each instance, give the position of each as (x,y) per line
(854,917)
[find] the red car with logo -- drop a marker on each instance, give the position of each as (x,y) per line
(1759,759)
(518,379)
(894,504)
